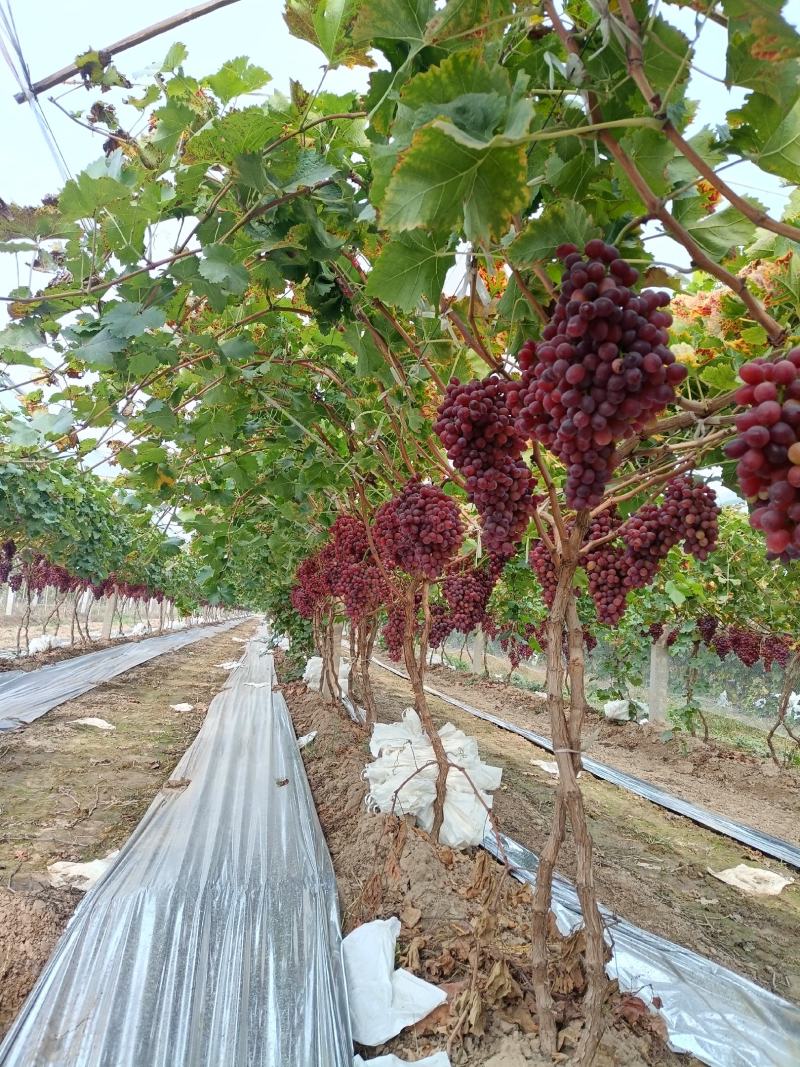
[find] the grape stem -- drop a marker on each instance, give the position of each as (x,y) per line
(635,56)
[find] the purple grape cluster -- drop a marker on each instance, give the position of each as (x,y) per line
(707,627)
(7,552)
(418,530)
(477,428)
(601,371)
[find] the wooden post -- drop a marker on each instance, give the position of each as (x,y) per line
(131,41)
(659,682)
(10,601)
(108,617)
(479,652)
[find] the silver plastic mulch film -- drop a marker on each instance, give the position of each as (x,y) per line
(746,835)
(214,938)
(27,695)
(718,1016)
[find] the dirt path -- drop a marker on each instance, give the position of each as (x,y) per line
(76,793)
(651,865)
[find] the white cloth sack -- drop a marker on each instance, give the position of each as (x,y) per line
(756,881)
(45,643)
(438,1059)
(617,710)
(79,875)
(90,720)
(402,779)
(383,1001)
(312,675)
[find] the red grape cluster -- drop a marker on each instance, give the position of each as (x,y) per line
(418,530)
(394,630)
(602,369)
(722,643)
(707,627)
(655,630)
(689,514)
(313,581)
(692,508)
(768,451)
(357,578)
(477,428)
(745,644)
(467,593)
(672,636)
(605,571)
(441,625)
(542,565)
(775,649)
(515,648)
(7,552)
(362,589)
(350,541)
(631,560)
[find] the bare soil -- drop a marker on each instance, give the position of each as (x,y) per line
(466,923)
(724,779)
(651,866)
(76,792)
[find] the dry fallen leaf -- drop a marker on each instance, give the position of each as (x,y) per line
(410,916)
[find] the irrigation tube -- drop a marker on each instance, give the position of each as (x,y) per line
(214,938)
(27,695)
(746,835)
(723,1019)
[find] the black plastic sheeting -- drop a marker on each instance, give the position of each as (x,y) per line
(27,695)
(711,1012)
(214,938)
(746,835)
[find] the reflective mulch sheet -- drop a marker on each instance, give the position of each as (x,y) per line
(746,835)
(214,939)
(715,1014)
(27,695)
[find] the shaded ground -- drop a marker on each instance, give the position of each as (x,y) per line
(76,793)
(466,924)
(651,865)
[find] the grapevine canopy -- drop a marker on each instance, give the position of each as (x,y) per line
(254,306)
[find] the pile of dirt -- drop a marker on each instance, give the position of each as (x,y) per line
(465,922)
(30,925)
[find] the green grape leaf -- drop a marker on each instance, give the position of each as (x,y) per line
(409,268)
(560,222)
(237,77)
(443,184)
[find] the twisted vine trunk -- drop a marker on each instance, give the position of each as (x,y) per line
(789,680)
(566,723)
(415,667)
(365,641)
